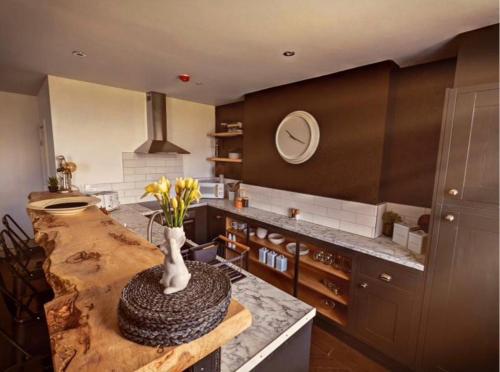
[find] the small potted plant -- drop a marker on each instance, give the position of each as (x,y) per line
(389,218)
(53,184)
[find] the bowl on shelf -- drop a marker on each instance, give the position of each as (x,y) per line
(234,155)
(252,232)
(303,250)
(276,238)
(261,232)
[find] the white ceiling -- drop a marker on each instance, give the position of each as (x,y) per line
(232,46)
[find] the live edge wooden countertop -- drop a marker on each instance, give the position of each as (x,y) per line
(90,259)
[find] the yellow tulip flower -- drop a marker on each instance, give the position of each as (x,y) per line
(173,203)
(189,183)
(164,184)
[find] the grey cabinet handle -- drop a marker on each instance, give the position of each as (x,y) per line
(385,277)
(449,218)
(363,285)
(218,217)
(453,192)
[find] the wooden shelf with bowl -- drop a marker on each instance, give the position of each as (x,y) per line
(225,160)
(226,134)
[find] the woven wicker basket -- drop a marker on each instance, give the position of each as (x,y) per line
(149,317)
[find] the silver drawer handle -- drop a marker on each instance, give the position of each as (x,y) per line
(218,217)
(363,285)
(385,277)
(453,192)
(449,218)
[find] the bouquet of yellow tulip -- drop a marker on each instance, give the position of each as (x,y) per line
(175,208)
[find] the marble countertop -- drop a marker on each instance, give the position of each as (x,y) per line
(276,315)
(381,247)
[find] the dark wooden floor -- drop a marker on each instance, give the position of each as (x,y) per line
(329,354)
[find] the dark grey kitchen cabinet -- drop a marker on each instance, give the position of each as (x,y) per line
(386,307)
(216,223)
(460,312)
(469,163)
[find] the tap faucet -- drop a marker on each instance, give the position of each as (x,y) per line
(152,218)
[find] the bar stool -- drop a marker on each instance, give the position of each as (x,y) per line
(27,266)
(24,303)
(26,243)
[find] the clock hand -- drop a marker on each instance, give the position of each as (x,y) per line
(294,138)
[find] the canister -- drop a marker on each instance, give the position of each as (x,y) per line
(263,254)
(281,263)
(271,258)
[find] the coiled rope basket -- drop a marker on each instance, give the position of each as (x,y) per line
(148,316)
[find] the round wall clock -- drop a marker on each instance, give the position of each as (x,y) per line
(297,137)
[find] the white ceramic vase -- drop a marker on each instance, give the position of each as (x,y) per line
(175,275)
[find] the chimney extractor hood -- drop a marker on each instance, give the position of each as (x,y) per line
(157,127)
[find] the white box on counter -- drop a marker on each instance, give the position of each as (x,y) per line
(401,233)
(417,241)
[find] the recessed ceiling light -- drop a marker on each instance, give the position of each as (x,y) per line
(79,53)
(199,83)
(289,53)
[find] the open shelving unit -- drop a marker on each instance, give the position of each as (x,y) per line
(305,280)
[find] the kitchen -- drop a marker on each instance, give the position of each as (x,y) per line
(339,199)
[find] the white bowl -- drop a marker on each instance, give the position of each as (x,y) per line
(303,250)
(234,155)
(276,238)
(261,232)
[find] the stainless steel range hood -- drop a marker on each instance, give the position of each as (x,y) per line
(157,127)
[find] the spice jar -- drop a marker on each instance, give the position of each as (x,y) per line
(238,202)
(245,202)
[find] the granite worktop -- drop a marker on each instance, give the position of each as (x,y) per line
(276,315)
(381,247)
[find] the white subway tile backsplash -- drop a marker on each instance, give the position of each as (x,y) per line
(134,177)
(122,186)
(358,218)
(327,221)
(141,169)
(359,208)
(357,229)
(362,219)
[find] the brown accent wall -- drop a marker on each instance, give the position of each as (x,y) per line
(229,113)
(477,61)
(351,109)
(412,133)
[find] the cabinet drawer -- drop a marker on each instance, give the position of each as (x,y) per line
(389,273)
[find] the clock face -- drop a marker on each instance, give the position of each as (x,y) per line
(297,137)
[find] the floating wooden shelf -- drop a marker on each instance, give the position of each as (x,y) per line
(226,134)
(225,160)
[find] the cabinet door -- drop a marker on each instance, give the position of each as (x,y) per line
(470,157)
(384,318)
(216,222)
(461,330)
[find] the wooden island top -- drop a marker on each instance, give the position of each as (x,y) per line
(91,257)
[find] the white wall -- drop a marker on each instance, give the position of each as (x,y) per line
(188,125)
(94,124)
(20,164)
